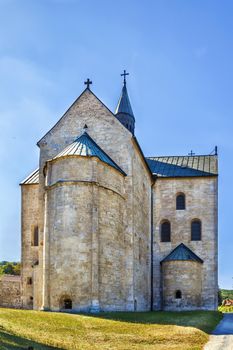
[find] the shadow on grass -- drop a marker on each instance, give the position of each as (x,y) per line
(12,342)
(206,321)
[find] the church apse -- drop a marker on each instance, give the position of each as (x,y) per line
(84,253)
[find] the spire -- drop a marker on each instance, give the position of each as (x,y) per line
(124,112)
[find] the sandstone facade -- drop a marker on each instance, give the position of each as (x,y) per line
(91,218)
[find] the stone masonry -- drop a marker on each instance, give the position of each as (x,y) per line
(10,291)
(92,214)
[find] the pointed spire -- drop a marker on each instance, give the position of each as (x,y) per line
(124,112)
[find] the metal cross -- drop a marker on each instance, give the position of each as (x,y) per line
(88,83)
(191,153)
(124,75)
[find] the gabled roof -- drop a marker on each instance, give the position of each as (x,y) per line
(32,179)
(183,166)
(85,146)
(182,252)
(124,105)
(87,90)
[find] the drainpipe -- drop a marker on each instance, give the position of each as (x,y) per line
(151,247)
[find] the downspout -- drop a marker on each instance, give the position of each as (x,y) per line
(151,247)
(152,250)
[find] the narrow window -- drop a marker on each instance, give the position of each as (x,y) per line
(196,230)
(140,250)
(180,202)
(35,236)
(178,294)
(68,304)
(166,231)
(29,280)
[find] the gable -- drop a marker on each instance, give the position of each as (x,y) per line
(102,125)
(76,105)
(87,103)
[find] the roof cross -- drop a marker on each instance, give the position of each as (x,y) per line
(88,83)
(191,153)
(124,75)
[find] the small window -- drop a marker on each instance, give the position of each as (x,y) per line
(29,280)
(180,202)
(140,250)
(67,304)
(178,294)
(196,230)
(166,231)
(35,236)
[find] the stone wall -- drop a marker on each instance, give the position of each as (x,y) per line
(84,247)
(10,291)
(201,203)
(129,228)
(29,252)
(183,276)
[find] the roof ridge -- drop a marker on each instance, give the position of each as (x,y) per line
(187,156)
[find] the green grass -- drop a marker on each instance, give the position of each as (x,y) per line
(122,331)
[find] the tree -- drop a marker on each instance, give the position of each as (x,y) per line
(8,269)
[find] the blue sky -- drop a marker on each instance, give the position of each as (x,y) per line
(179,54)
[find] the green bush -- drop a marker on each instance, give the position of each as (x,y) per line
(9,268)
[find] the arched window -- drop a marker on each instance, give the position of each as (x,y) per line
(35,236)
(196,230)
(67,304)
(180,201)
(178,294)
(166,231)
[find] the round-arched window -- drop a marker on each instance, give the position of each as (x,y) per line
(165,231)
(180,202)
(178,294)
(196,230)
(67,304)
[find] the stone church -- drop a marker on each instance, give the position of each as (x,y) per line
(105,228)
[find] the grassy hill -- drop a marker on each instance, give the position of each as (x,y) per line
(116,331)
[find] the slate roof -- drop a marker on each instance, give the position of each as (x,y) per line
(124,105)
(183,166)
(32,179)
(85,146)
(182,252)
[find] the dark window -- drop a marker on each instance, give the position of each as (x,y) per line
(68,304)
(35,236)
(166,231)
(180,202)
(196,230)
(178,294)
(29,280)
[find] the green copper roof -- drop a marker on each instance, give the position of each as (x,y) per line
(183,166)
(85,146)
(124,105)
(182,252)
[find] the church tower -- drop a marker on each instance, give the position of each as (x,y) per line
(124,112)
